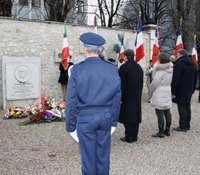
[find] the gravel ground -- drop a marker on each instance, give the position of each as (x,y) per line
(46,149)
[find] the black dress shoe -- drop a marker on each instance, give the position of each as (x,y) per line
(179,129)
(159,135)
(123,139)
(167,132)
(129,140)
(187,128)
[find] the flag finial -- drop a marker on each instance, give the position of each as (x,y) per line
(181,21)
(65,30)
(140,14)
(195,37)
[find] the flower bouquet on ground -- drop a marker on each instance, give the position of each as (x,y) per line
(48,111)
(16,113)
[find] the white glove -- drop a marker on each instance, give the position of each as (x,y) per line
(74,135)
(112,129)
(69,70)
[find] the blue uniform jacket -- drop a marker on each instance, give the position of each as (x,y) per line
(93,83)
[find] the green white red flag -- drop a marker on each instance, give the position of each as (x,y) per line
(65,50)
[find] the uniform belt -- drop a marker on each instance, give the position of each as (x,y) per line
(90,110)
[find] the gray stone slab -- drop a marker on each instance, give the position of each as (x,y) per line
(21,81)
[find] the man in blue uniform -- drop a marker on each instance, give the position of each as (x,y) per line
(93,104)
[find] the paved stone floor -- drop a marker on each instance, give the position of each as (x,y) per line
(46,149)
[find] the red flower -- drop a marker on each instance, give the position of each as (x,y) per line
(37,117)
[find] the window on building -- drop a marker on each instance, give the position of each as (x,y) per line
(80,6)
(36,3)
(23,2)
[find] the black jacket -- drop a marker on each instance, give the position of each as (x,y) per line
(184,79)
(131,75)
(63,78)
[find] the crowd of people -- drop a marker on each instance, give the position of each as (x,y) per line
(99,95)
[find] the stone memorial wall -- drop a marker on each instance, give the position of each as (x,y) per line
(33,40)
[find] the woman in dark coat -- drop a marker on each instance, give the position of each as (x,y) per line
(63,79)
(131,75)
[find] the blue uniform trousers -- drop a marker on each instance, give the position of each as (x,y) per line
(93,127)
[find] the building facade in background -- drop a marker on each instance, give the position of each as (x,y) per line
(29,9)
(79,13)
(39,10)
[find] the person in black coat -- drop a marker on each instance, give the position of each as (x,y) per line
(131,75)
(183,86)
(63,78)
(199,81)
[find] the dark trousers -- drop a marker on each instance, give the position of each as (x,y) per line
(161,114)
(131,131)
(184,115)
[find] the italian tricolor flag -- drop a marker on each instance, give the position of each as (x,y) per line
(65,50)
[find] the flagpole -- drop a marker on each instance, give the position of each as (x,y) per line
(95,22)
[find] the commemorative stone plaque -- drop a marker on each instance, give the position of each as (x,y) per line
(21,80)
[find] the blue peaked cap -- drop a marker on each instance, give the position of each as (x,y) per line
(92,41)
